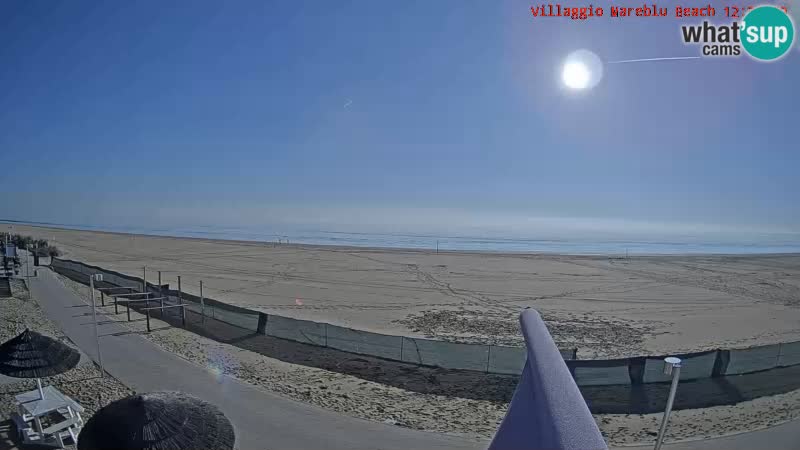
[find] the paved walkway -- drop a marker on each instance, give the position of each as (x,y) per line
(265,420)
(781,437)
(262,420)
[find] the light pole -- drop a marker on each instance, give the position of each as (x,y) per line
(672,366)
(92,278)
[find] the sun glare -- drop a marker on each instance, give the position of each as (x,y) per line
(582,70)
(576,75)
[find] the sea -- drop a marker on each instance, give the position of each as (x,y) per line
(762,243)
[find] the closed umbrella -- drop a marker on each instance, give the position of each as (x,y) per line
(32,355)
(158,420)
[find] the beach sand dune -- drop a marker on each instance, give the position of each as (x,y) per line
(605,307)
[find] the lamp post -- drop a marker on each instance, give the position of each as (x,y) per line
(672,366)
(92,279)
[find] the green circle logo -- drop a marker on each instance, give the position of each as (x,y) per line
(767,33)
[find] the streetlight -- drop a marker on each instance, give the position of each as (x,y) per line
(92,279)
(672,366)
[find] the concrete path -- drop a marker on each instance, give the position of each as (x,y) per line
(262,420)
(780,437)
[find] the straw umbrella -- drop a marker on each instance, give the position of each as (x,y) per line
(31,355)
(158,420)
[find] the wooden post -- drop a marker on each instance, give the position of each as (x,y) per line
(147,311)
(161,294)
(144,279)
(128,305)
(179,290)
(103,298)
(116,310)
(202,303)
(183,314)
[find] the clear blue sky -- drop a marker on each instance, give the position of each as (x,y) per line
(113,107)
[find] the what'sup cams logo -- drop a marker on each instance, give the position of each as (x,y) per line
(766,33)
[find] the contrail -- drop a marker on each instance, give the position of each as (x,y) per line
(653,59)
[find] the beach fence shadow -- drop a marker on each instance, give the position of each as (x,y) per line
(427,380)
(614,399)
(702,393)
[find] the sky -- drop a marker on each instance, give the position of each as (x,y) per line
(424,115)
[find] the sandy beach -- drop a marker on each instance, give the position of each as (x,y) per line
(605,307)
(426,398)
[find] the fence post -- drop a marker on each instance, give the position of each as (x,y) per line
(144,279)
(262,325)
(147,311)
(161,311)
(128,305)
(721,363)
(636,367)
(103,298)
(180,302)
(116,309)
(488,354)
(202,303)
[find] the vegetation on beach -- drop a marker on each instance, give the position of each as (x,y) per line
(40,246)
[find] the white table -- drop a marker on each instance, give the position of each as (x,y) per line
(32,407)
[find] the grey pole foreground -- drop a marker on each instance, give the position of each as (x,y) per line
(92,278)
(672,366)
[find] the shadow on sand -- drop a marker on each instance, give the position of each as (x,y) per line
(616,399)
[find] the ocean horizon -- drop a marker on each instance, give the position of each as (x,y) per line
(764,244)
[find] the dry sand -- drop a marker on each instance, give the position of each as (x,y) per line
(432,399)
(82,383)
(605,307)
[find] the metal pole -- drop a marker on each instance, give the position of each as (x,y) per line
(202,302)
(180,302)
(671,365)
(96,335)
(160,294)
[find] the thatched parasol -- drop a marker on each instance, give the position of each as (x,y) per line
(158,420)
(31,355)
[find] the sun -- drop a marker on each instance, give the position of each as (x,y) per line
(576,75)
(582,70)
